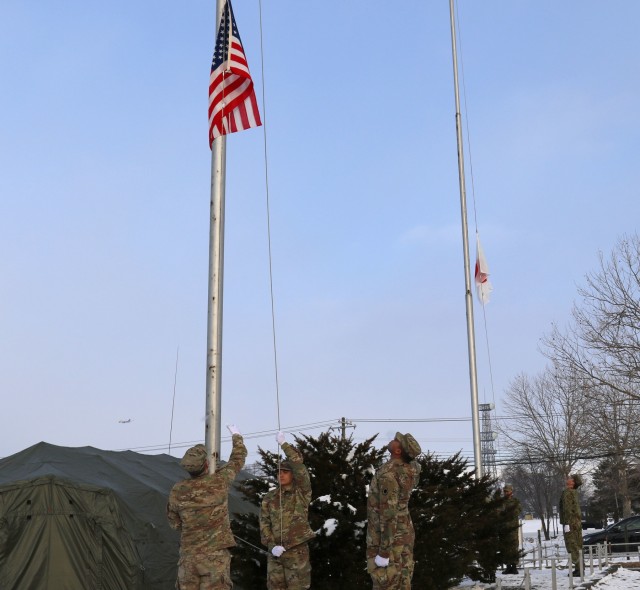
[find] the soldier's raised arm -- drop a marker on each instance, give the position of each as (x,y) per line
(300,472)
(237,456)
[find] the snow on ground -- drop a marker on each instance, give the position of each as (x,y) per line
(542,579)
(621,579)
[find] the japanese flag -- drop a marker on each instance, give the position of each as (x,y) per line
(483,286)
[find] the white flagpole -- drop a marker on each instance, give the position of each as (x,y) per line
(471,338)
(214,312)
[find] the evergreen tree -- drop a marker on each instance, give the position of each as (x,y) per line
(249,557)
(491,533)
(458,520)
(340,473)
(606,499)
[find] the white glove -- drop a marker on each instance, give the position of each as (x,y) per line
(278,550)
(567,528)
(280,438)
(381,561)
(233,429)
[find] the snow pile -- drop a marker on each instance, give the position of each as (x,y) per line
(326,499)
(330,526)
(620,580)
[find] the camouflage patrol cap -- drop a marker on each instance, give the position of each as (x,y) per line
(577,479)
(409,444)
(286,466)
(508,488)
(194,459)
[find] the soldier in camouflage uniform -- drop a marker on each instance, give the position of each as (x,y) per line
(571,518)
(509,538)
(390,534)
(198,508)
(284,524)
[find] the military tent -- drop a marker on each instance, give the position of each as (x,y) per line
(87,519)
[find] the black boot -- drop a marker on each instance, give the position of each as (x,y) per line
(513,569)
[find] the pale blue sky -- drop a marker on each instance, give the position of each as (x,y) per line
(105,173)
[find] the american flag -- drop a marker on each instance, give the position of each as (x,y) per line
(232,98)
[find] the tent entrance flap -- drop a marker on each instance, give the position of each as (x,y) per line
(57,534)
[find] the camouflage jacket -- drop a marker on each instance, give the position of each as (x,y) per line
(512,508)
(569,509)
(198,507)
(389,522)
(290,526)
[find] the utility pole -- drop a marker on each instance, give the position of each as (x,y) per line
(344,424)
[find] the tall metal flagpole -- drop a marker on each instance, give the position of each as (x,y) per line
(471,338)
(214,312)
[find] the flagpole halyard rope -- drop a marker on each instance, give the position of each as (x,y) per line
(268,208)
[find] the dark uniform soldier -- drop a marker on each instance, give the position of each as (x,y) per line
(284,524)
(390,534)
(509,541)
(571,518)
(198,508)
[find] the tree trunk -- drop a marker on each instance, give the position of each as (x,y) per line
(624,492)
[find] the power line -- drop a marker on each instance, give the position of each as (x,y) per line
(248,436)
(417,420)
(502,458)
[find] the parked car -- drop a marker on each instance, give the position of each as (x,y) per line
(623,535)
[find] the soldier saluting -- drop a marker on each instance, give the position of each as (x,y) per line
(284,524)
(390,534)
(198,508)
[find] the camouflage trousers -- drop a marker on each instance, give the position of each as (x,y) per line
(573,543)
(205,572)
(397,575)
(290,571)
(509,548)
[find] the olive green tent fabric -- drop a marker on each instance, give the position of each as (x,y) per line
(87,519)
(65,536)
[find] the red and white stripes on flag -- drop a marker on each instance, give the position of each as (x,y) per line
(232,98)
(483,286)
